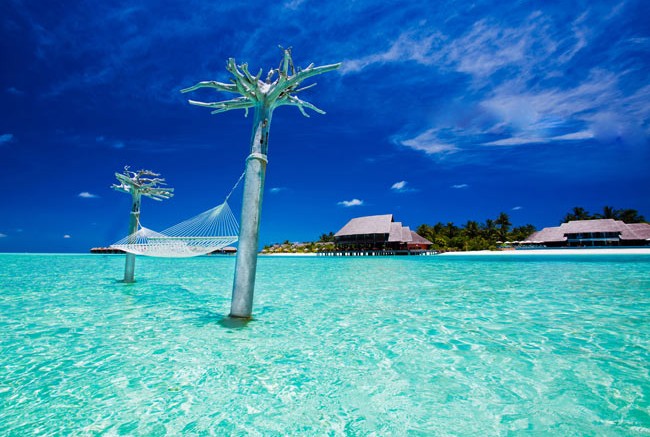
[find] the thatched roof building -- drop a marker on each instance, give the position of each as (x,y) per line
(379,232)
(601,232)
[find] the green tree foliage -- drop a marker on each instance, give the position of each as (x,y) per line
(609,212)
(577,213)
(503,223)
(326,238)
(474,235)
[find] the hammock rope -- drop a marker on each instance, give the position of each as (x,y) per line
(206,232)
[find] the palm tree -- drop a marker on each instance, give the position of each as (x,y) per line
(577,213)
(609,213)
(504,225)
(630,216)
(471,229)
(489,230)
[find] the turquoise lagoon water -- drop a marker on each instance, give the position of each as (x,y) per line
(338,346)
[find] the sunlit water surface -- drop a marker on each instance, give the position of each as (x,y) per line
(338,346)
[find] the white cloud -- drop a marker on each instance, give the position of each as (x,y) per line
(521,109)
(485,48)
(459,186)
(582,135)
(276,190)
(407,47)
(517,208)
(6,138)
(349,203)
(293,4)
(87,195)
(428,143)
(66,236)
(2,235)
(399,186)
(515,141)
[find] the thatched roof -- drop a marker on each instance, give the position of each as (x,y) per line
(372,224)
(636,231)
(633,231)
(418,239)
(406,234)
(395,232)
(381,224)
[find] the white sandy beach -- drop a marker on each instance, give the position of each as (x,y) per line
(289,254)
(621,251)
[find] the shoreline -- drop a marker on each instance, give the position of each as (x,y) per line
(289,254)
(550,252)
(524,252)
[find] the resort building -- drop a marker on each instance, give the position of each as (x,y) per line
(379,233)
(601,232)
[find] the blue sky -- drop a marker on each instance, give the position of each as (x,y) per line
(441,111)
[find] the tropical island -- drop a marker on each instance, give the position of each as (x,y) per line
(492,234)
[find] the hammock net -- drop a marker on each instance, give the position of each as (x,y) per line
(207,232)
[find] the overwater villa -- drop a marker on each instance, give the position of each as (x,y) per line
(600,232)
(379,235)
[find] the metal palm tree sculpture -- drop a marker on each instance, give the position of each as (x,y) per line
(263,96)
(141,183)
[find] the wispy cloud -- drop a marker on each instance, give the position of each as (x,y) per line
(575,136)
(66,236)
(275,190)
(402,187)
(2,235)
(523,89)
(407,47)
(428,142)
(115,144)
(15,91)
(293,4)
(517,208)
(6,139)
(349,203)
(460,186)
(87,195)
(515,141)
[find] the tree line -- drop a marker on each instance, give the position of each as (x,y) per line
(474,235)
(609,212)
(488,235)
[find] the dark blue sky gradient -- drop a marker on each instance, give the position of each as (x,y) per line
(466,110)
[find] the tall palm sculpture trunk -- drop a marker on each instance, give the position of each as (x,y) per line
(129,267)
(141,183)
(246,264)
(263,97)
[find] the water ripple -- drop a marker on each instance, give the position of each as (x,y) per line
(389,346)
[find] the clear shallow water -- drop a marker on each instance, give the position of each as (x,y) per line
(339,346)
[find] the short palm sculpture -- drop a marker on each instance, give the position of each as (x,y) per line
(141,183)
(263,96)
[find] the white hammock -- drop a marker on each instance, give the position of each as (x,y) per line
(211,230)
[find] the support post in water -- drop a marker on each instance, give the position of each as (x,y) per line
(141,183)
(263,96)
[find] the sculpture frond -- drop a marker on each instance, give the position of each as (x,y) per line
(270,93)
(301,104)
(143,182)
(229,87)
